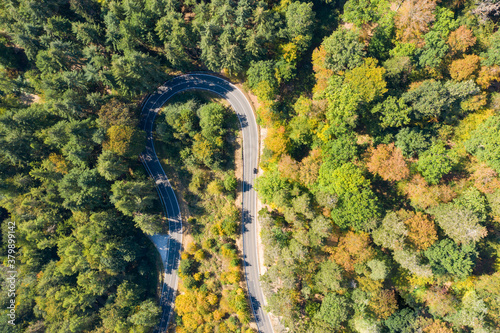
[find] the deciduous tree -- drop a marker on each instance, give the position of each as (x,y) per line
(461,39)
(413,19)
(460,224)
(388,162)
(464,69)
(334,310)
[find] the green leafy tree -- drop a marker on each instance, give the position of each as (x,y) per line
(269,185)
(262,71)
(402,321)
(299,23)
(474,201)
(329,276)
(110,165)
(446,256)
(135,73)
(335,310)
(362,12)
(393,112)
(378,269)
(82,189)
(146,316)
(131,197)
(492,55)
(434,163)
(176,37)
(484,142)
(412,141)
(343,109)
(150,224)
(459,223)
(76,139)
(472,311)
(392,232)
(344,51)
(433,100)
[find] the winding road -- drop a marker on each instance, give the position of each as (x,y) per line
(170,245)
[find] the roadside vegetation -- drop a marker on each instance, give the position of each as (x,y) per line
(196,139)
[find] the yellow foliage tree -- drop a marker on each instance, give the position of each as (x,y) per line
(277,140)
(59,163)
(124,140)
(367,80)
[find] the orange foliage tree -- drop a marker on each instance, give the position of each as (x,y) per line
(305,171)
(424,196)
(487,76)
(353,248)
(464,69)
(485,179)
(421,231)
(322,73)
(461,39)
(435,326)
(413,18)
(388,162)
(289,168)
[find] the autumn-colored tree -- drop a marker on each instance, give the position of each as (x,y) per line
(421,231)
(369,285)
(383,304)
(485,179)
(413,19)
(424,196)
(309,167)
(388,162)
(367,80)
(277,140)
(322,73)
(125,140)
(267,115)
(353,248)
(464,69)
(488,76)
(115,113)
(461,39)
(437,326)
(289,168)
(58,163)
(440,301)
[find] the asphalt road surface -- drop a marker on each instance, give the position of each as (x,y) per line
(170,245)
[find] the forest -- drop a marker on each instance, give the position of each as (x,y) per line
(380,164)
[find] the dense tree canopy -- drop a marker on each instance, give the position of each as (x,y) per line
(380,161)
